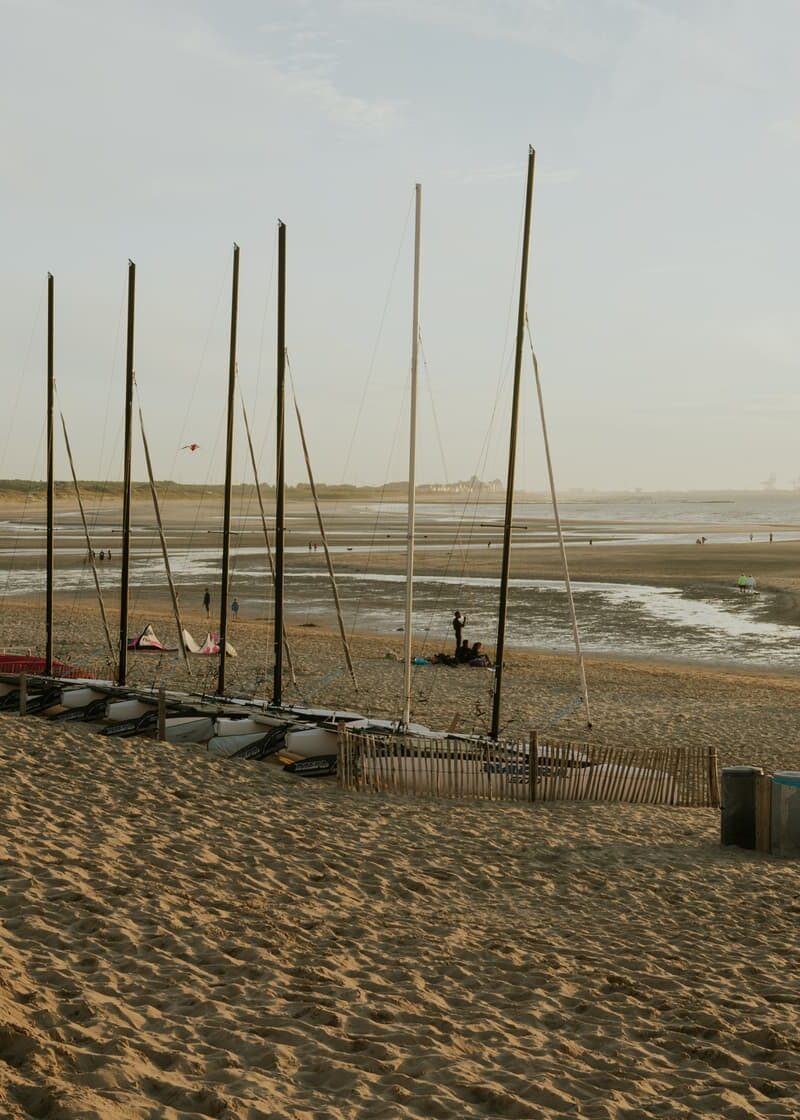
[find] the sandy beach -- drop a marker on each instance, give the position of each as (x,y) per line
(187,937)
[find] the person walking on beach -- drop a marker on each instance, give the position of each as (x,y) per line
(235,608)
(459,621)
(207,602)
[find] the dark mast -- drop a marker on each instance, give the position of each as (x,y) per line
(226,521)
(280,479)
(512,454)
(122,667)
(48,650)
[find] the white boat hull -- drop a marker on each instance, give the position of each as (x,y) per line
(80,697)
(224,746)
(188,729)
(243,726)
(118,710)
(311,742)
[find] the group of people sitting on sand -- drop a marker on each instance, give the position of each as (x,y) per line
(464,654)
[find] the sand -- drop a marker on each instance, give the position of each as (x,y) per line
(182,937)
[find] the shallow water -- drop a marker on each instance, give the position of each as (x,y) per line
(700,624)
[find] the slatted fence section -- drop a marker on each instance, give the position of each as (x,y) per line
(534,771)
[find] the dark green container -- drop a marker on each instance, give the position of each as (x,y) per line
(738,795)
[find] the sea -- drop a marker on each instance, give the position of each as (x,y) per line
(702,624)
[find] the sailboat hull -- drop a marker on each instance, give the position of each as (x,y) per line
(188,729)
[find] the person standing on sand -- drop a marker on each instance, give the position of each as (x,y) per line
(235,609)
(207,602)
(459,621)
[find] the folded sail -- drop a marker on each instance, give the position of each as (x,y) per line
(189,644)
(147,642)
(209,648)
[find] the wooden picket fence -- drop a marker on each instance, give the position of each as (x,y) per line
(533,771)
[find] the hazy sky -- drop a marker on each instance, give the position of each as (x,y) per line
(664,285)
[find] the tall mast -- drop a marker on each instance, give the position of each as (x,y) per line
(226,520)
(48,652)
(412,467)
(512,454)
(122,665)
(280,476)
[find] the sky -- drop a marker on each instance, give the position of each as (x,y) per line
(663,276)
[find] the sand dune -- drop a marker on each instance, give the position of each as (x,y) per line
(185,937)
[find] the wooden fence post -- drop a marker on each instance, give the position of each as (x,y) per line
(713,777)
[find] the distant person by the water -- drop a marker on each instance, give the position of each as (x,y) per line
(751,536)
(459,621)
(235,609)
(207,601)
(770,538)
(751,584)
(741,583)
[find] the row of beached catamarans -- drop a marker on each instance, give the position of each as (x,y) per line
(303,740)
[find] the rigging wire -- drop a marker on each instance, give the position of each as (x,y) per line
(162,539)
(90,550)
(561,544)
(483,455)
(373,358)
(322,533)
(382,497)
(270,562)
(267,304)
(193,532)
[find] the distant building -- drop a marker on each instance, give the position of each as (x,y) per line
(474,486)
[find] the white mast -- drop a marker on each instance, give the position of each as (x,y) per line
(412,468)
